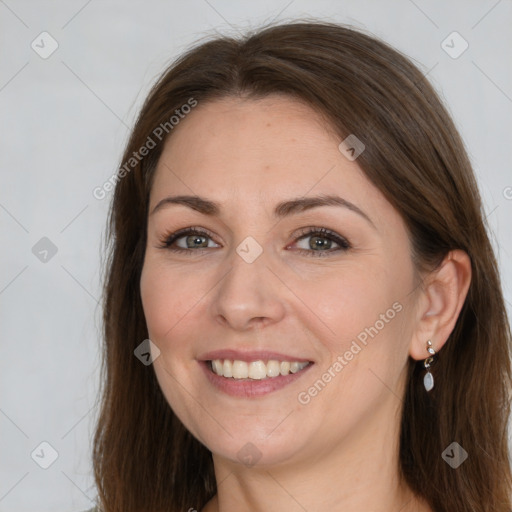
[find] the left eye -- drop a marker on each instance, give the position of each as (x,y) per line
(321,240)
(320,243)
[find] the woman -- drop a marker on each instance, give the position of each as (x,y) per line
(302,306)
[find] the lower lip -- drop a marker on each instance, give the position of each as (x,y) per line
(249,388)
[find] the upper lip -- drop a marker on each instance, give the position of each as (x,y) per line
(250,355)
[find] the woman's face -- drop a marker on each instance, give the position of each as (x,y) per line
(308,331)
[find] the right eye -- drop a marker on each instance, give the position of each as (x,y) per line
(194,238)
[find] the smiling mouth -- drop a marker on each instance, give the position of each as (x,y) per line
(255,370)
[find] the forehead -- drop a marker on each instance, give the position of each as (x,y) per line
(234,128)
(246,152)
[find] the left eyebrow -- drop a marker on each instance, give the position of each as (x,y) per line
(282,209)
(301,204)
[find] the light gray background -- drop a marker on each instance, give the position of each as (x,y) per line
(65,120)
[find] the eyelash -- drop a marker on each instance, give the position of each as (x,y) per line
(169,238)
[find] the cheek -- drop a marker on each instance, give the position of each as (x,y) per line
(366,311)
(351,302)
(167,297)
(168,300)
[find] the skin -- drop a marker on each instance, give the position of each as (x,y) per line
(340,450)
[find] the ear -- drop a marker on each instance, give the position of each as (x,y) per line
(439,303)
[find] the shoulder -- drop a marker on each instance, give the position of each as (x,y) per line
(93,509)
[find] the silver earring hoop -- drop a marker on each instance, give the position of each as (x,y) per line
(428,379)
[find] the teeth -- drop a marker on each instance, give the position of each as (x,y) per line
(240,370)
(255,370)
(294,367)
(217,367)
(273,368)
(227,369)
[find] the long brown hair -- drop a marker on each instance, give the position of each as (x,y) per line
(144,459)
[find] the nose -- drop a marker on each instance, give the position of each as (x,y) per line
(249,295)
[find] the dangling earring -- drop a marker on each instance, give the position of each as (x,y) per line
(428,380)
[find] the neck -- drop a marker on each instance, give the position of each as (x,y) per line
(360,475)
